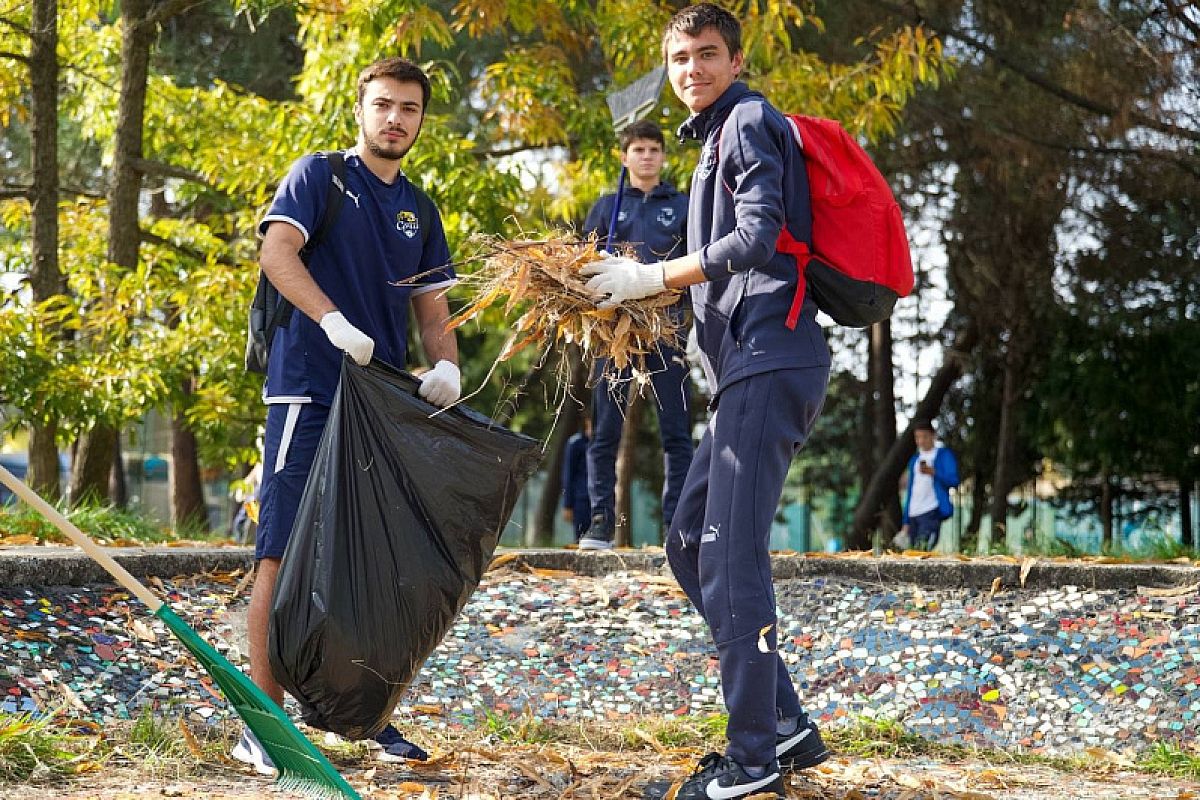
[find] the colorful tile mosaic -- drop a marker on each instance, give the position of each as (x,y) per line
(1057,670)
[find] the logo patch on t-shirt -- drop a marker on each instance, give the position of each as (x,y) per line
(622,216)
(407,223)
(666,217)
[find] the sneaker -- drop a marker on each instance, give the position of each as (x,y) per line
(248,750)
(719,777)
(802,749)
(599,536)
(394,747)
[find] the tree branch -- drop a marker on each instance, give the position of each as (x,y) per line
(1180,16)
(184,250)
(9,192)
(21,57)
(16,26)
(158,168)
(946,30)
(1099,149)
(170,9)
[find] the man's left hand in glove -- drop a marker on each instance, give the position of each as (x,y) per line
(442,385)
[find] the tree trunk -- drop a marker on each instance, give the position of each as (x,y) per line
(118,488)
(92,465)
(43,460)
(188,509)
(978,502)
(626,467)
(124,236)
(45,278)
(541,531)
(1106,513)
(1186,536)
(884,408)
(887,473)
(1006,436)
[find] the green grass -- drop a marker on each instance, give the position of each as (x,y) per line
(524,729)
(698,732)
(105,524)
(1170,759)
(884,738)
(31,749)
(156,737)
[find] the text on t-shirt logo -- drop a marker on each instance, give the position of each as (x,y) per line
(407,223)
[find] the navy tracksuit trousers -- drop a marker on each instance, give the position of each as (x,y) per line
(719,540)
(669,378)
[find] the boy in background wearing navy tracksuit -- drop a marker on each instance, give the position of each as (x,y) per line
(653,218)
(768,380)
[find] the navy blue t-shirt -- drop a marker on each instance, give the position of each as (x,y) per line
(375,243)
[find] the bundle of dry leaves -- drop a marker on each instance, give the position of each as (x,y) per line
(541,278)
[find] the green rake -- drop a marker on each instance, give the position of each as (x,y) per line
(301,766)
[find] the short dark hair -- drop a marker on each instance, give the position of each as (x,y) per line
(693,19)
(400,69)
(923,425)
(645,129)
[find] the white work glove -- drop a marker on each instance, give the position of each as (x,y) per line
(691,350)
(348,338)
(442,385)
(622,279)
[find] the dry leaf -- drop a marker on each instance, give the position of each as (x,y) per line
(1171,591)
(1026,566)
(189,738)
(142,631)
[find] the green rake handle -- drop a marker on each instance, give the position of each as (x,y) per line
(21,490)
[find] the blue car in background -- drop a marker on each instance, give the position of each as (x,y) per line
(18,464)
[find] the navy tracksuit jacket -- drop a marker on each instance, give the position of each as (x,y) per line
(769,383)
(656,224)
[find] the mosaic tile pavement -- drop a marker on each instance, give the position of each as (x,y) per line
(1057,671)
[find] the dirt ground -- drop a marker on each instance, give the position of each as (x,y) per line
(572,773)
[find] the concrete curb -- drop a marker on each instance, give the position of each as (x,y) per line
(68,566)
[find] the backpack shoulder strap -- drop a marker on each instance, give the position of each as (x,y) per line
(425,213)
(335,195)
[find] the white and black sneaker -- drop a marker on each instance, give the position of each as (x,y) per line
(599,534)
(250,751)
(719,777)
(801,749)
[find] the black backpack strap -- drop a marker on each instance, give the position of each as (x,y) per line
(425,212)
(335,195)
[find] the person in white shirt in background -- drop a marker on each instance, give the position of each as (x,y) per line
(932,473)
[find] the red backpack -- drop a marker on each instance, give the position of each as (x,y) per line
(859,264)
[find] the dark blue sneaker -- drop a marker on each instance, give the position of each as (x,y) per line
(719,777)
(600,535)
(802,748)
(396,748)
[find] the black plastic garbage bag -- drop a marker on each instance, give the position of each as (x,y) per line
(399,519)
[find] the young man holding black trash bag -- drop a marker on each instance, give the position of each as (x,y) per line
(768,378)
(349,302)
(653,217)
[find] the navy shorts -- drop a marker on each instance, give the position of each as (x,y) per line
(289,447)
